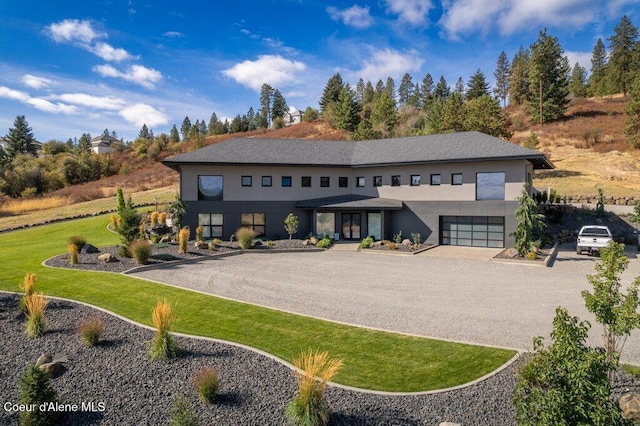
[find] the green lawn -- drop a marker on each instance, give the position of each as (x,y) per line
(372,359)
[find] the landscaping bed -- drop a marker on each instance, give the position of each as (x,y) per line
(398,248)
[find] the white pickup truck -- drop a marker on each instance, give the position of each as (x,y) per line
(593,238)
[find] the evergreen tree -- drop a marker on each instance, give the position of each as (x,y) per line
(621,60)
(426,92)
(519,77)
(632,127)
(453,113)
(379,89)
(528,221)
(331,92)
(365,131)
(442,90)
(597,86)
(483,114)
(477,86)
(84,143)
(368,94)
(309,115)
(279,105)
(266,94)
(251,119)
(384,115)
(360,91)
(211,127)
(502,73)
(459,87)
(414,98)
(434,119)
(144,133)
(578,85)
(174,136)
(347,109)
(390,88)
(549,87)
(185,128)
(202,128)
(20,138)
(406,90)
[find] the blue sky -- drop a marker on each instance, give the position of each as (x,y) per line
(82,66)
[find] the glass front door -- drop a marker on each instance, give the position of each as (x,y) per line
(351,226)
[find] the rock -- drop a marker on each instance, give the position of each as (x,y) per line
(107,258)
(53,369)
(313,240)
(43,359)
(306,242)
(630,405)
(377,244)
(511,252)
(406,242)
(89,249)
(450,424)
(200,245)
(165,239)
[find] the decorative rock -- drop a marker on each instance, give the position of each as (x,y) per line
(511,252)
(107,258)
(450,424)
(43,359)
(406,242)
(376,244)
(53,369)
(306,242)
(90,249)
(201,245)
(313,240)
(630,405)
(165,239)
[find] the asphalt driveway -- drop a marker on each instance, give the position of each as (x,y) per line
(453,294)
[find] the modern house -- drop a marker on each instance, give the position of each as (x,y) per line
(103,144)
(293,116)
(457,188)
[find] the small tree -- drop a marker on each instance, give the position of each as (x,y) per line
(36,389)
(617,312)
(528,221)
(291,224)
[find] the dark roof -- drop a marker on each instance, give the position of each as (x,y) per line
(443,148)
(351,201)
(104,138)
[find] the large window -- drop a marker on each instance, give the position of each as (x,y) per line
(325,224)
(255,221)
(490,186)
(360,181)
(211,224)
(210,188)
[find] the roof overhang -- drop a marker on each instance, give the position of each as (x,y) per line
(350,202)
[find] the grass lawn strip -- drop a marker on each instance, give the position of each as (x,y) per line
(373,360)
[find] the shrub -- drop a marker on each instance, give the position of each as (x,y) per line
(216,241)
(162,218)
(73,254)
(245,237)
(391,246)
(183,239)
(314,371)
(291,224)
(123,251)
(397,238)
(417,238)
(77,241)
(270,243)
(28,286)
(325,242)
(366,242)
(182,414)
(36,389)
(36,304)
(129,225)
(154,219)
(163,346)
(140,251)
(531,256)
(199,232)
(207,384)
(91,330)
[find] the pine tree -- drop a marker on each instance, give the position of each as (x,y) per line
(519,77)
(597,86)
(251,119)
(279,105)
(442,90)
(266,94)
(548,77)
(406,90)
(20,138)
(185,128)
(459,87)
(426,92)
(211,127)
(502,73)
(368,94)
(84,143)
(632,127)
(384,116)
(484,115)
(202,128)
(360,91)
(144,133)
(331,91)
(390,88)
(174,136)
(379,89)
(477,86)
(347,109)
(621,60)
(453,113)
(578,84)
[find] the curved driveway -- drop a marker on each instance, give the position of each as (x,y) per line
(448,293)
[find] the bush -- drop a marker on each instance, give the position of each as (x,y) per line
(291,224)
(91,330)
(129,225)
(366,242)
(417,238)
(314,371)
(531,256)
(397,238)
(199,232)
(35,304)
(140,251)
(207,384)
(245,237)
(36,389)
(154,219)
(73,254)
(77,241)
(182,414)
(391,246)
(183,239)
(162,219)
(325,242)
(163,346)
(123,251)
(28,287)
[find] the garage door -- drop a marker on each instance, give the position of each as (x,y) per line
(476,231)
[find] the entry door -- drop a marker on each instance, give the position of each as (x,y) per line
(351,226)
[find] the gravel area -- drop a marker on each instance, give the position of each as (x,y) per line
(254,389)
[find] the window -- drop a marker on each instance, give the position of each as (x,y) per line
(490,186)
(210,188)
(246,180)
(324,181)
(306,181)
(415,180)
(266,180)
(343,182)
(377,181)
(325,224)
(360,181)
(395,180)
(456,179)
(435,179)
(255,221)
(286,181)
(211,224)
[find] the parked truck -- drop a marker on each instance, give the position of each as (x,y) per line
(592,238)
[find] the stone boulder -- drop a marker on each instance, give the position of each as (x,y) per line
(89,249)
(52,366)
(107,258)
(406,242)
(511,252)
(306,242)
(630,405)
(200,245)
(43,359)
(313,240)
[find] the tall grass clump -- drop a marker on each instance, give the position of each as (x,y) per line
(91,330)
(36,304)
(140,251)
(207,384)
(77,241)
(154,219)
(183,239)
(309,408)
(28,287)
(245,237)
(162,345)
(199,233)
(114,222)
(182,414)
(73,254)
(162,218)
(36,389)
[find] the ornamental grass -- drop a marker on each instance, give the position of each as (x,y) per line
(35,305)
(140,250)
(73,254)
(154,219)
(245,237)
(162,345)
(162,219)
(28,287)
(199,233)
(91,330)
(207,384)
(183,239)
(309,407)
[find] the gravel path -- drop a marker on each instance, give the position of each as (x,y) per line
(254,389)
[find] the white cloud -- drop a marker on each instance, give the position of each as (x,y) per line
(140,114)
(583,58)
(271,69)
(110,53)
(55,108)
(109,103)
(73,31)
(412,11)
(15,95)
(173,34)
(36,82)
(355,16)
(138,74)
(389,63)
